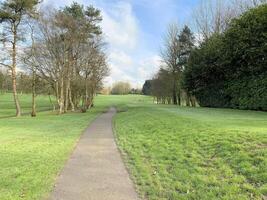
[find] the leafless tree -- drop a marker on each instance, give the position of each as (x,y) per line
(30,62)
(71,58)
(214,16)
(121,87)
(171,54)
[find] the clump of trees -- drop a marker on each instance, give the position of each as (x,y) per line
(121,88)
(166,86)
(226,68)
(147,87)
(62,49)
(229,69)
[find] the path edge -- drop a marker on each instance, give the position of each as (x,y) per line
(124,156)
(47,196)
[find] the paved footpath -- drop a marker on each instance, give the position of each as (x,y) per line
(95,170)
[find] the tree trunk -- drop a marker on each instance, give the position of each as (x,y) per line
(14,73)
(57,94)
(179,99)
(54,107)
(33,114)
(61,99)
(174,95)
(71,102)
(187,98)
(67,96)
(85,106)
(193,101)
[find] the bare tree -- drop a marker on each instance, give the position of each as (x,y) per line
(171,54)
(214,16)
(243,5)
(71,56)
(30,62)
(121,87)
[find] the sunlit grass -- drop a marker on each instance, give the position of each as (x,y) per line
(34,150)
(195,153)
(7,105)
(172,152)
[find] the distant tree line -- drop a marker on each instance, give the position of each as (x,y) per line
(226,67)
(24,83)
(123,88)
(62,50)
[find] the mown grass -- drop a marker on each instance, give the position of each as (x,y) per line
(172,152)
(194,153)
(34,150)
(7,106)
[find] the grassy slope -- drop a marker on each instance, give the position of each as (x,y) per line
(195,153)
(33,150)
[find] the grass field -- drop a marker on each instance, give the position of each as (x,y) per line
(7,106)
(194,153)
(172,153)
(34,150)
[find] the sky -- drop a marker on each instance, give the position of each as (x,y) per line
(134,32)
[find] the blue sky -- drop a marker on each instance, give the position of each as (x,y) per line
(134,31)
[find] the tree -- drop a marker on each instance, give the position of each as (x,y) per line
(146,90)
(32,65)
(229,69)
(171,54)
(12,15)
(186,40)
(5,81)
(121,88)
(162,87)
(244,60)
(2,79)
(177,48)
(70,55)
(213,16)
(203,75)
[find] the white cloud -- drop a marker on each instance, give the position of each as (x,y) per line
(120,26)
(136,72)
(118,57)
(121,31)
(148,67)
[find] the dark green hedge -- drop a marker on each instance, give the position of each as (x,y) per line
(230,69)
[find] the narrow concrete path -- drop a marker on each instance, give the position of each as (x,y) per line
(95,170)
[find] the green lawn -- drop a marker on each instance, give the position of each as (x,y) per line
(194,153)
(172,153)
(34,150)
(7,106)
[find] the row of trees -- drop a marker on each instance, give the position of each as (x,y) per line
(64,48)
(166,86)
(24,82)
(122,88)
(230,69)
(224,66)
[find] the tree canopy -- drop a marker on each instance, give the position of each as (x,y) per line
(230,69)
